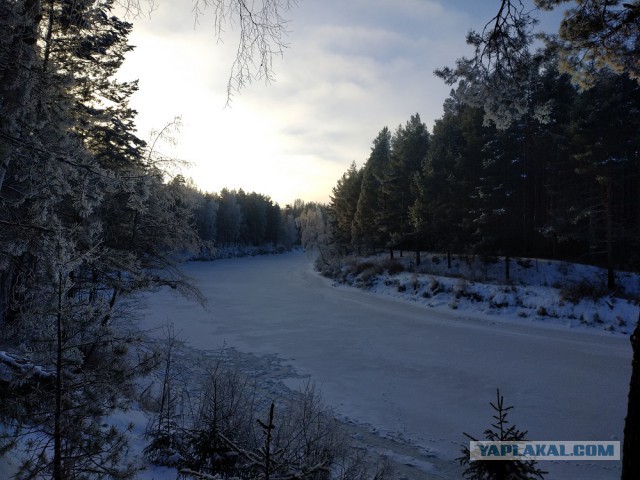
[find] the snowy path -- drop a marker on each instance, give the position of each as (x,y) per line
(421,374)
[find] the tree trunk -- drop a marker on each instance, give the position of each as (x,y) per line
(631,445)
(418,259)
(448,259)
(57,420)
(266,449)
(391,253)
(47,42)
(611,276)
(507,267)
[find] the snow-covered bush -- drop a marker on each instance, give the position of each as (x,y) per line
(223,422)
(215,423)
(584,289)
(392,266)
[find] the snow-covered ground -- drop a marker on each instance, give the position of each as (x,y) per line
(407,378)
(554,292)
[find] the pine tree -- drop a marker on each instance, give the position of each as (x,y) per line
(273,229)
(442,212)
(598,35)
(368,232)
(343,206)
(493,77)
(410,145)
(90,367)
(71,250)
(605,146)
(206,217)
(19,76)
(254,217)
(229,218)
(499,198)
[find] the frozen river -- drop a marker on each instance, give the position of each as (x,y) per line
(405,370)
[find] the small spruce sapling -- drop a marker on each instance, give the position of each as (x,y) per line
(504,469)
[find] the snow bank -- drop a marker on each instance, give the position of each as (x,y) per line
(560,293)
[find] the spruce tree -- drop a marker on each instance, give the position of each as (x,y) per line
(500,431)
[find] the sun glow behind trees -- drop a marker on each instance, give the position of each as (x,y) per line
(240,146)
(343,73)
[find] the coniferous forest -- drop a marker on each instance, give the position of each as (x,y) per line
(561,181)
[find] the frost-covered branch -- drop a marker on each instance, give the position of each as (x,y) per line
(262,36)
(12,367)
(262,28)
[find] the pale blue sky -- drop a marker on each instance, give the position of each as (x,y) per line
(353,67)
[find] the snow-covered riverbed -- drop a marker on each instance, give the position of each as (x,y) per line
(408,371)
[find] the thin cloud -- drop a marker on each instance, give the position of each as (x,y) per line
(352,68)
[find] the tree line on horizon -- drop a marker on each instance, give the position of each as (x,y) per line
(237,218)
(562,181)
